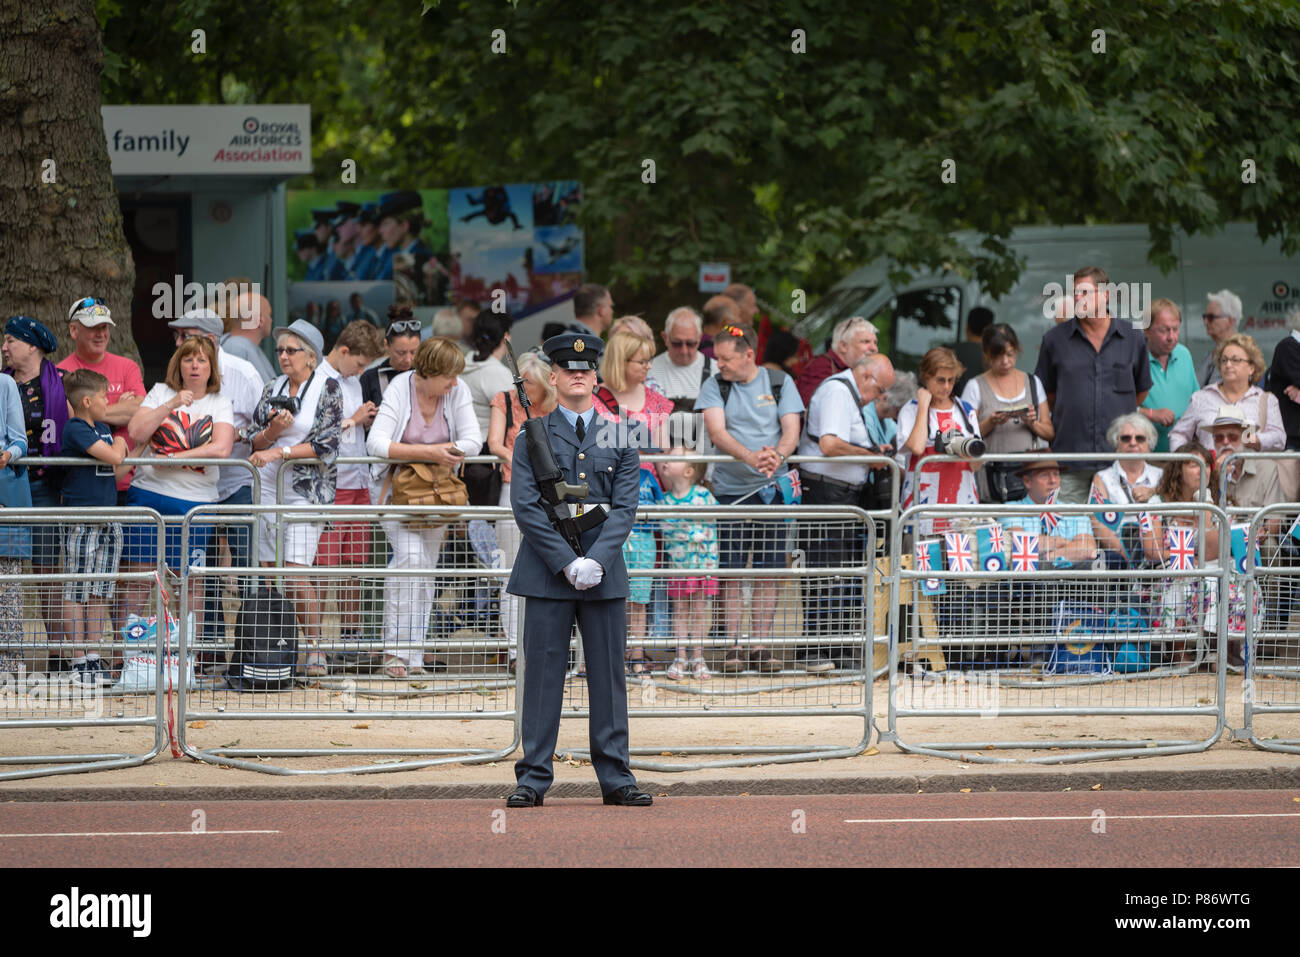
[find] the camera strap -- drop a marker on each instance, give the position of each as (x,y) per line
(302,392)
(961,411)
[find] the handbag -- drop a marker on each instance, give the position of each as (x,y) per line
(1288,470)
(430,485)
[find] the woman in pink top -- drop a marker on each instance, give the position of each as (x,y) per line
(427,416)
(503,427)
(624,393)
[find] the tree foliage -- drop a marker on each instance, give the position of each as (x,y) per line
(793,166)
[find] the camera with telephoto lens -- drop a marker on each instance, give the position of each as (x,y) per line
(289,403)
(959,444)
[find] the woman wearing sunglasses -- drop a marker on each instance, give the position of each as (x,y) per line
(1126,482)
(300,416)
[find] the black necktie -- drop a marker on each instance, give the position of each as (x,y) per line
(580,429)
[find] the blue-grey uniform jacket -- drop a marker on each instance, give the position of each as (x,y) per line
(611,475)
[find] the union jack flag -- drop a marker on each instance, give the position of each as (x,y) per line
(1145,523)
(995,539)
(1095,497)
(1182,548)
(960,556)
(791,487)
(923,559)
(1051,520)
(1024,551)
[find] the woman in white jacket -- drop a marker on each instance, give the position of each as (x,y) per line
(426,414)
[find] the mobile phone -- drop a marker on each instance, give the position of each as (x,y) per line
(1017,410)
(455,450)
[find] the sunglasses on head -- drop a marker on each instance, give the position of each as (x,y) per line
(403,326)
(734,331)
(88,302)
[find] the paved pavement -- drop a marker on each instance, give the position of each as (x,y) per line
(1089,829)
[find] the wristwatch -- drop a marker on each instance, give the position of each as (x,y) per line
(284,452)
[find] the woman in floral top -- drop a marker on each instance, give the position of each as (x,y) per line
(312,431)
(689,543)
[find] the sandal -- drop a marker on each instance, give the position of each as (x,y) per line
(700,670)
(735,661)
(764,660)
(394,667)
(677,670)
(316,666)
(637,666)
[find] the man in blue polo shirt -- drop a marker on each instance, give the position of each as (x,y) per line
(1173,372)
(1097,367)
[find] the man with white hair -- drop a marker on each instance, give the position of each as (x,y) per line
(682,368)
(447,324)
(836,427)
(852,339)
(1222,313)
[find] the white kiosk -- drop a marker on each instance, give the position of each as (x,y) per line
(202,196)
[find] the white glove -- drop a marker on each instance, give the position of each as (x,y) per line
(571,571)
(589,574)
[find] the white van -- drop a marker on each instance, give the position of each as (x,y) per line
(931,310)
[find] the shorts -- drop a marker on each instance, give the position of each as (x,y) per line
(738,540)
(140,542)
(639,552)
(686,587)
(91,550)
(300,539)
(346,543)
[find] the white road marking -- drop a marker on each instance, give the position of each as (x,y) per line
(1080,817)
(134,833)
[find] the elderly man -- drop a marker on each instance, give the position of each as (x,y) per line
(1222,313)
(682,369)
(745,300)
(751,414)
(1249,484)
(242,385)
(1173,374)
(836,427)
(852,339)
(89,325)
(246,326)
(1098,367)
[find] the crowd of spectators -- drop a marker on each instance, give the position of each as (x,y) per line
(1101,386)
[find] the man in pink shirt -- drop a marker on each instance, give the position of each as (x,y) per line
(89,325)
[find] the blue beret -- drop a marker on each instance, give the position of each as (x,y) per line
(26,329)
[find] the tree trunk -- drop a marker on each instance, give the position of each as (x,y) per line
(61,239)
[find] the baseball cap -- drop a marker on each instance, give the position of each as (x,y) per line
(90,312)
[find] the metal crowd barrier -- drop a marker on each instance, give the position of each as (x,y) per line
(817,605)
(1272,636)
(440,616)
(1002,640)
(59,716)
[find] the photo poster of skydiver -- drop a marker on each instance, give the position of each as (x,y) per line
(398,236)
(497,243)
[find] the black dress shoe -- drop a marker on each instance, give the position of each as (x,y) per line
(629,796)
(524,796)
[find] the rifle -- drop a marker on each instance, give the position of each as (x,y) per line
(550,479)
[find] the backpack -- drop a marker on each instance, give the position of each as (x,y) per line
(724,388)
(266,643)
